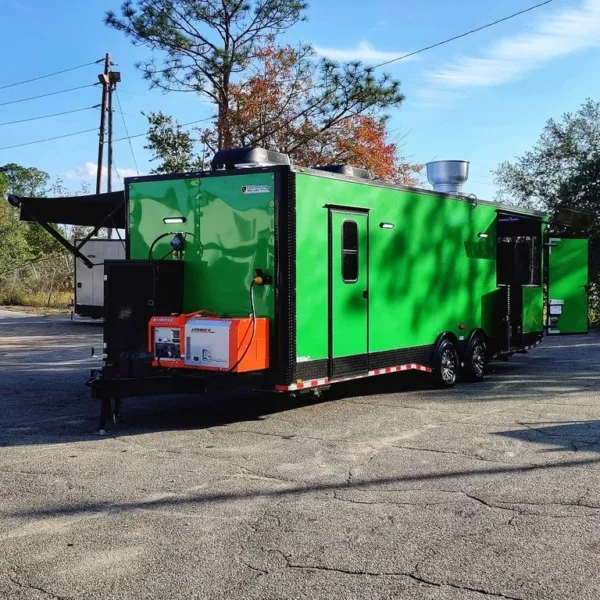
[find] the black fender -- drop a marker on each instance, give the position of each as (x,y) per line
(445,335)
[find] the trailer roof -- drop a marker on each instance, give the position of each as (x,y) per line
(472,199)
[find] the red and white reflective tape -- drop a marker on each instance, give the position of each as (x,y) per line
(311,383)
(533,345)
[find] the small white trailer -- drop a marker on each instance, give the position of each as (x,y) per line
(88,299)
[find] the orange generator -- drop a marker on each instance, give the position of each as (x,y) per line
(211,343)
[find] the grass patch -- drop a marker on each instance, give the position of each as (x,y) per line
(21,297)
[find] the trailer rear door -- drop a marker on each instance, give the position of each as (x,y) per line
(567,286)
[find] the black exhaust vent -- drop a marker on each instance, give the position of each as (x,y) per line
(347,170)
(239,158)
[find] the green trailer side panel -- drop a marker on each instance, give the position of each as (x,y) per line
(231,233)
(533,309)
(567,281)
(428,274)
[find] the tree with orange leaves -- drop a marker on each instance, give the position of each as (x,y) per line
(275,107)
(290,102)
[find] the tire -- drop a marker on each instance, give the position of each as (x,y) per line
(446,365)
(475,360)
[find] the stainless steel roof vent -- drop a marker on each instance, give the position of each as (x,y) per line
(348,170)
(448,176)
(238,158)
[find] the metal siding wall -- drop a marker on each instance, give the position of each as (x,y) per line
(426,275)
(233,234)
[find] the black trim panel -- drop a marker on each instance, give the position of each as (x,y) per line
(422,355)
(346,366)
(317,369)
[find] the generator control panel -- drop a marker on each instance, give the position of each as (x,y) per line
(167,343)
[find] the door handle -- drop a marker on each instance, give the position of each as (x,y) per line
(365,294)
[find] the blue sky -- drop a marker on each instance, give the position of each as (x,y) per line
(484,98)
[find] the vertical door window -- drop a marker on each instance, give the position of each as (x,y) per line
(350,251)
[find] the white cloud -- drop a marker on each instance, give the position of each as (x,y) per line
(88,172)
(554,36)
(429,97)
(363,51)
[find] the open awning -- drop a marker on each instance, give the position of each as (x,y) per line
(91,211)
(95,210)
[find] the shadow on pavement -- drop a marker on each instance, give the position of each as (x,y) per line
(293,489)
(572,435)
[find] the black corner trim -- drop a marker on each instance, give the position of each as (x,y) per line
(285,229)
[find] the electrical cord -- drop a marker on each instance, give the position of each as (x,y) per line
(253,315)
(164,235)
(160,237)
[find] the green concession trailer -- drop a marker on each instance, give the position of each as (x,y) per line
(356,277)
(308,277)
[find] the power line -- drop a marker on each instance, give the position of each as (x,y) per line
(462,35)
(66,112)
(58,137)
(50,74)
(126,132)
(49,94)
(130,137)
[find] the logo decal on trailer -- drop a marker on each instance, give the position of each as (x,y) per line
(256,189)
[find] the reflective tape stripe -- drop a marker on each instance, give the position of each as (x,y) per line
(312,383)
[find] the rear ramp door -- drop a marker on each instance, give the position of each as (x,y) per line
(567,286)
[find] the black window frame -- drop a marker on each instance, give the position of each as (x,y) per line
(349,251)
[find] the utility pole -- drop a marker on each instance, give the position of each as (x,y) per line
(114,77)
(104,81)
(110,137)
(108,79)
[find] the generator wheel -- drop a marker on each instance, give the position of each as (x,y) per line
(446,364)
(475,360)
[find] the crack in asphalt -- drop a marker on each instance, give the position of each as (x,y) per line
(413,576)
(260,476)
(18,472)
(439,451)
(29,586)
(285,436)
(497,505)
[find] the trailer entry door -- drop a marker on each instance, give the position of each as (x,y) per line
(348,292)
(567,285)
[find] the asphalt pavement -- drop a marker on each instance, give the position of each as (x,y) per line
(387,489)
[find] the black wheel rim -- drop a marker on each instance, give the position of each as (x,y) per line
(478,360)
(448,364)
